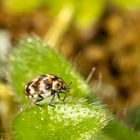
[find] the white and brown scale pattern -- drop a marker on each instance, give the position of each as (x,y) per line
(44,85)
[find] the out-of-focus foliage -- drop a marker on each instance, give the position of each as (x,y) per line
(4,45)
(19,6)
(7,110)
(120,132)
(134,118)
(128,4)
(116,130)
(86,12)
(4,50)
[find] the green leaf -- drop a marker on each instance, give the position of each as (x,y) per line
(32,57)
(128,4)
(19,6)
(56,6)
(133,119)
(74,120)
(116,130)
(88,12)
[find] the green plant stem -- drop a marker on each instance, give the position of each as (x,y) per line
(59,27)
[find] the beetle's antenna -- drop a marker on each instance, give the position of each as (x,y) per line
(69,84)
(68,87)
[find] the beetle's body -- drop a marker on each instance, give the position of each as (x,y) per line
(45,86)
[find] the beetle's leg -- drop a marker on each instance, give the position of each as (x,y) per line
(64,96)
(40,98)
(58,96)
(52,100)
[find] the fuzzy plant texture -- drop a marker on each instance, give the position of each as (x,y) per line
(74,119)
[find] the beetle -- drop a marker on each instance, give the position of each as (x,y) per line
(45,86)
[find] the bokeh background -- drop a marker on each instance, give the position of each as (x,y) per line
(100,34)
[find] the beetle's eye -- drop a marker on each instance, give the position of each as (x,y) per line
(58,85)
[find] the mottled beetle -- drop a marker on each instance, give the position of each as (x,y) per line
(45,86)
